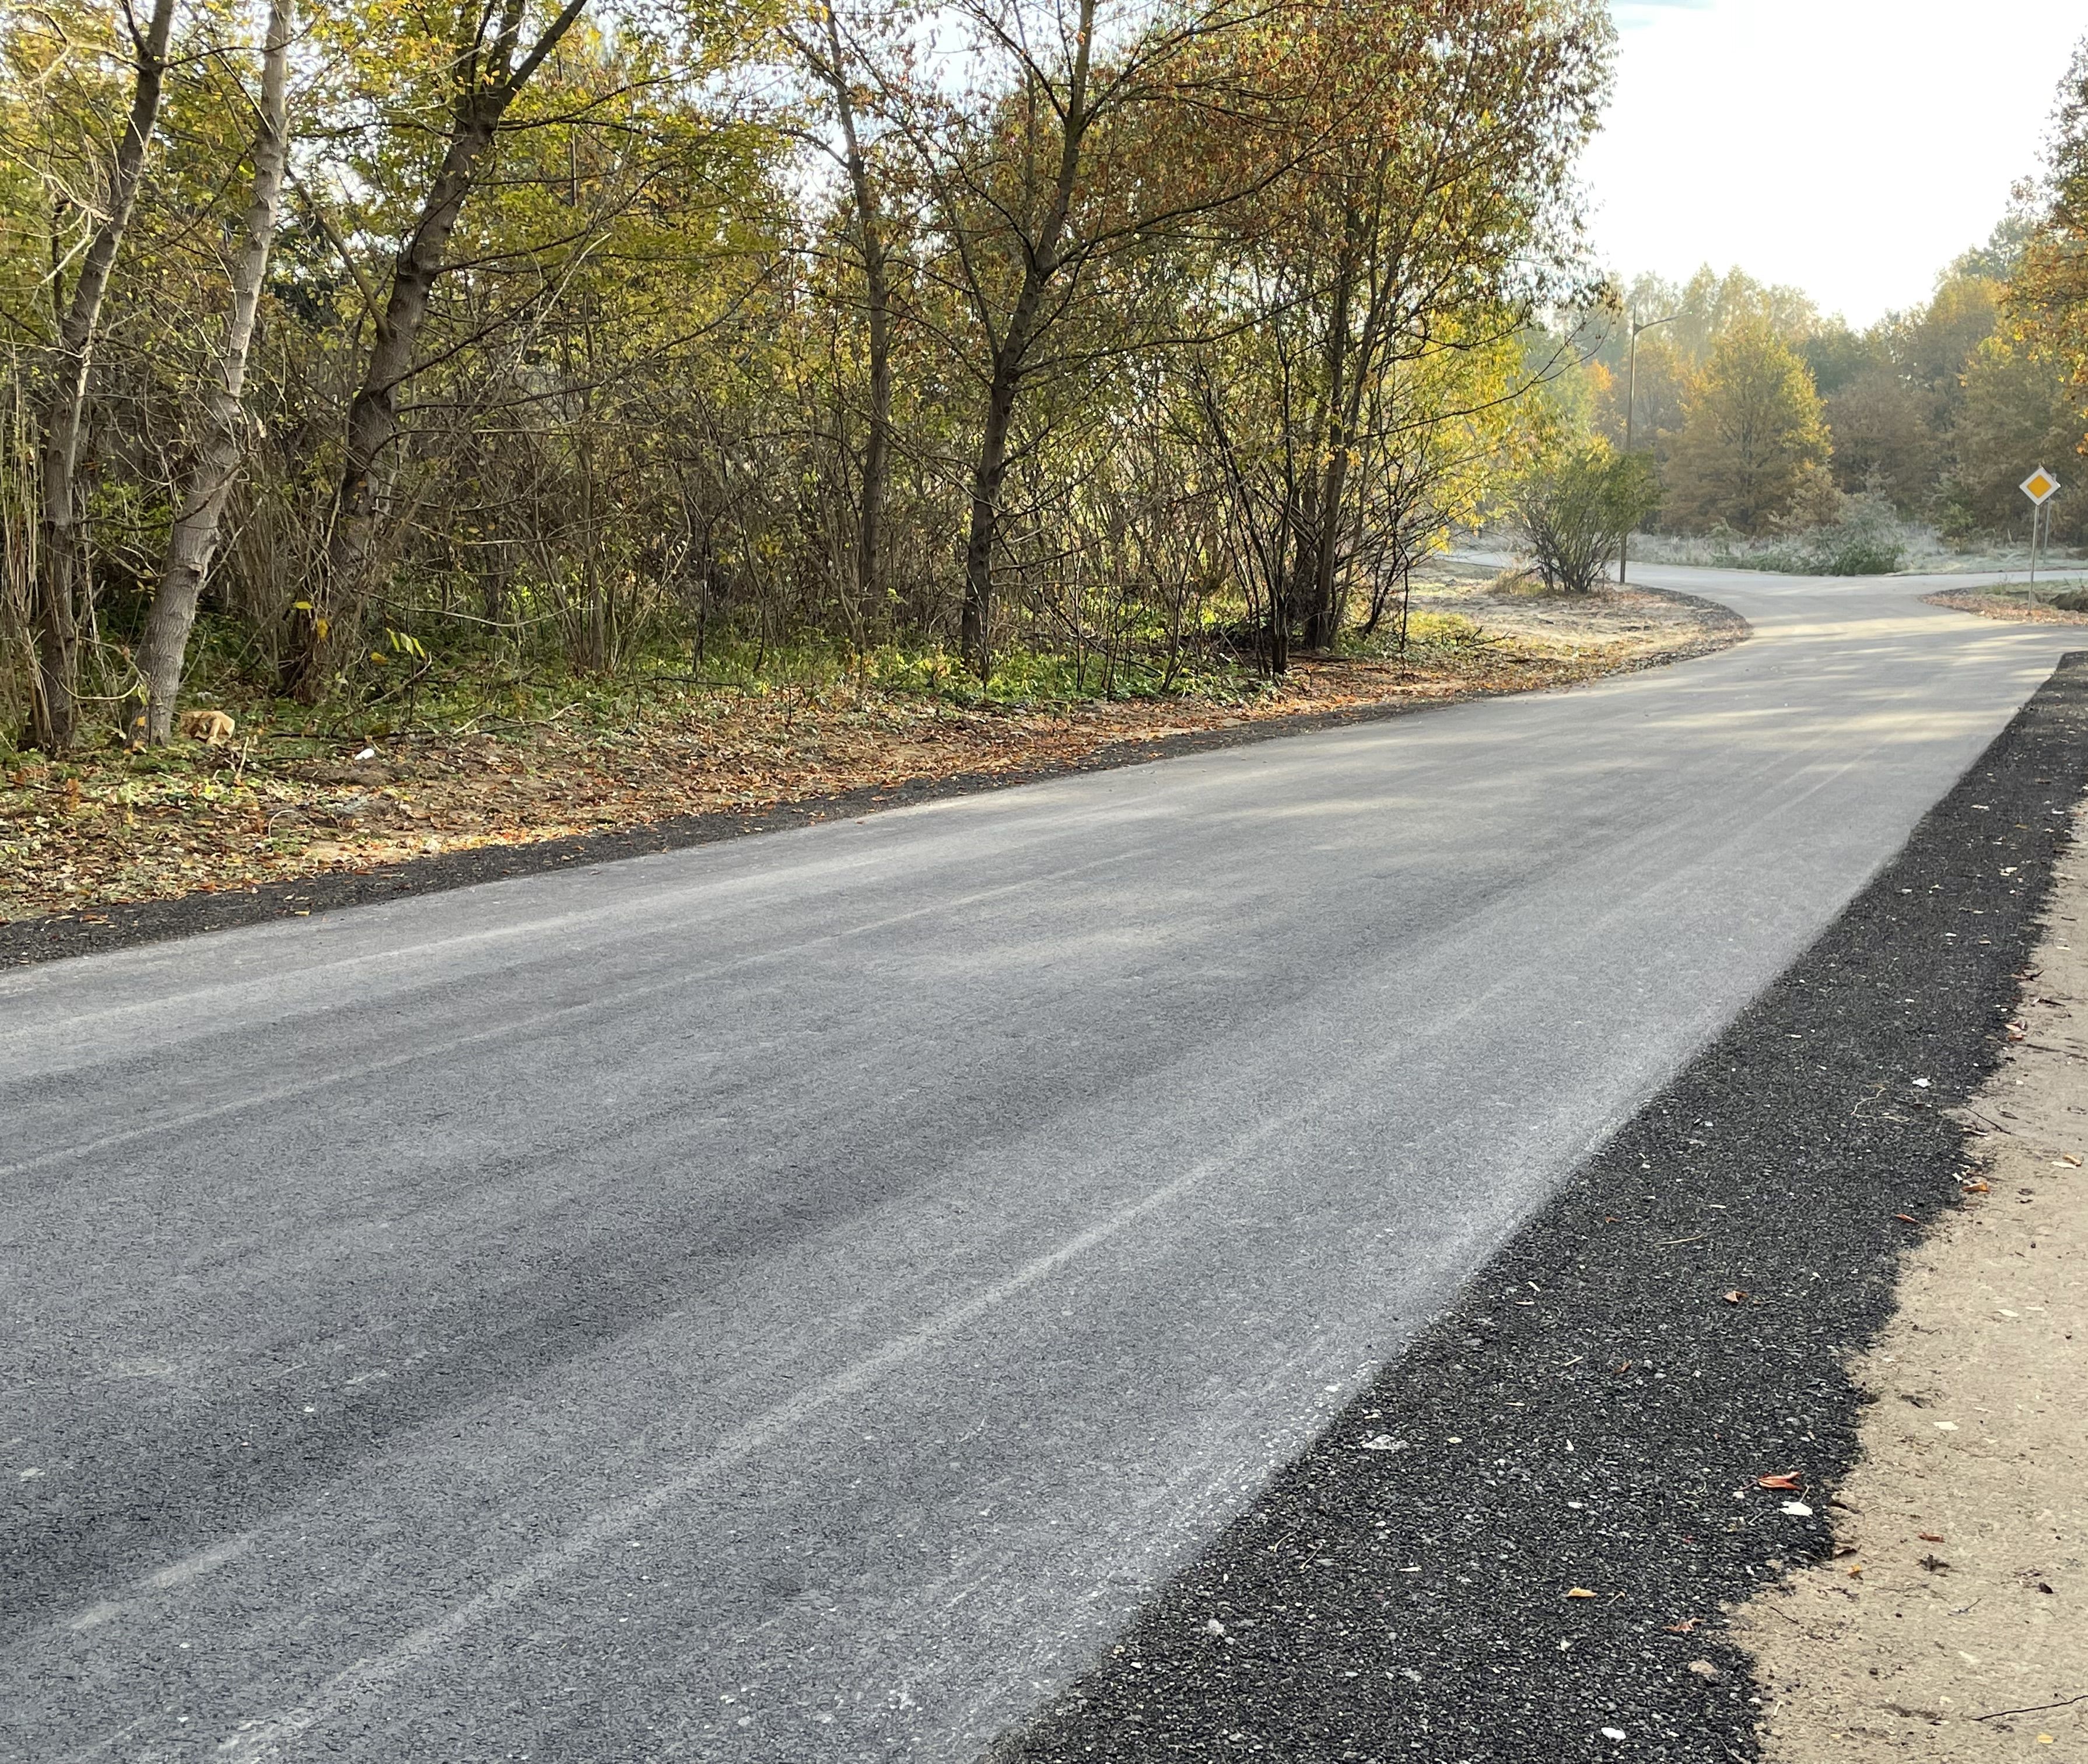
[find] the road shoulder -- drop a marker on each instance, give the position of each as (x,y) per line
(1952,1618)
(1525,1539)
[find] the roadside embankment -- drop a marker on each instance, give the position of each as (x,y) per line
(1952,1620)
(109,848)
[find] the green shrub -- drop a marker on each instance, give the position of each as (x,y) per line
(1866,541)
(1576,508)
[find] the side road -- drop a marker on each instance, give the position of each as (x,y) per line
(1522,1541)
(1953,1619)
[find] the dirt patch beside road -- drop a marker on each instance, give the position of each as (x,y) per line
(2012,603)
(82,843)
(1952,1622)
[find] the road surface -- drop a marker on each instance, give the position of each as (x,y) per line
(787,1300)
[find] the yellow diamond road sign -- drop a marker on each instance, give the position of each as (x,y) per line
(2039,485)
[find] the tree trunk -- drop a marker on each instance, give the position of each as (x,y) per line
(1330,477)
(877,304)
(193,542)
(1324,624)
(1042,265)
(373,417)
(975,634)
(877,445)
(486,89)
(62,584)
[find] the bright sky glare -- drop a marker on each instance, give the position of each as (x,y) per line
(1850,147)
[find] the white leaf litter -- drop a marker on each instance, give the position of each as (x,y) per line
(1382,1442)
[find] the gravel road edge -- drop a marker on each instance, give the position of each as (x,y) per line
(1522,1541)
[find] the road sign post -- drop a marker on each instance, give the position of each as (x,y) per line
(2039,487)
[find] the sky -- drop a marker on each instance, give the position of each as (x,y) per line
(1850,147)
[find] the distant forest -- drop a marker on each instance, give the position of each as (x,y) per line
(1763,413)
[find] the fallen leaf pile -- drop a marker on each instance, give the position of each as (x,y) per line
(106,828)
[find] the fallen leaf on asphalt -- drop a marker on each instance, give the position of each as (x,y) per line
(1856,1570)
(1910,1219)
(1788,1478)
(1682,1628)
(2069,1160)
(1975,1188)
(1579,1592)
(1930,1537)
(1736,1296)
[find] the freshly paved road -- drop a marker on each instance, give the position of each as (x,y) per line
(786,1300)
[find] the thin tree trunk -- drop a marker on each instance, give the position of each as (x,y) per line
(877,304)
(193,542)
(62,582)
(1330,478)
(486,90)
(1042,265)
(975,634)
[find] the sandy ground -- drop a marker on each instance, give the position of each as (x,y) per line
(1953,1621)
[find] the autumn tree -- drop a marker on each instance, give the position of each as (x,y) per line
(1429,210)
(63,592)
(2048,299)
(206,483)
(1884,441)
(848,60)
(2019,411)
(1056,172)
(484,60)
(1753,447)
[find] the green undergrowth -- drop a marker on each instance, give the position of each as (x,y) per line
(418,687)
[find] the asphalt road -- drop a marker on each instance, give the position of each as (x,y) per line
(788,1299)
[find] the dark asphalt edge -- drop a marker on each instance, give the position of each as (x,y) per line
(1594,1360)
(122,925)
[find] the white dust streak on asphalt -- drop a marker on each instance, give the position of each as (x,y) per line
(519,1028)
(266,1740)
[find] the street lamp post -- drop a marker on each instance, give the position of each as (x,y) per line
(1631,410)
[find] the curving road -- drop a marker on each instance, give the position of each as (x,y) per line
(787,1300)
